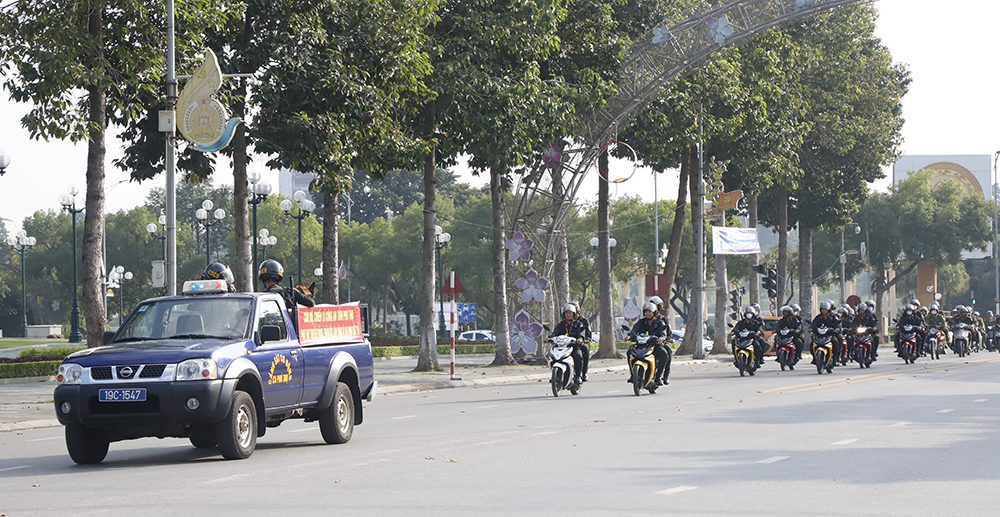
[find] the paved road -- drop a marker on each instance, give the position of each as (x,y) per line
(892,440)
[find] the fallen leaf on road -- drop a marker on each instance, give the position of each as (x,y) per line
(640,412)
(452,461)
(603,420)
(36,486)
(429,458)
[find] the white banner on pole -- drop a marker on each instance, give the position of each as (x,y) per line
(734,241)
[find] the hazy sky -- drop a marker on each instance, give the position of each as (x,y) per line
(950,109)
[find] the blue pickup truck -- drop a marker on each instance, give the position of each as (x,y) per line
(217,368)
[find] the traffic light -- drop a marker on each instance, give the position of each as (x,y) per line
(770,283)
(734,304)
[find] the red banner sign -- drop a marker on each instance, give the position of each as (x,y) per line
(329,324)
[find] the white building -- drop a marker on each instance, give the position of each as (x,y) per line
(290,181)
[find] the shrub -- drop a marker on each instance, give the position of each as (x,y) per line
(49,352)
(36,369)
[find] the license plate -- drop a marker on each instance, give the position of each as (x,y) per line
(122,395)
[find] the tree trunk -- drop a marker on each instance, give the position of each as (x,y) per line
(501,326)
(677,229)
(331,248)
(93,227)
(805,272)
(879,291)
(695,308)
(782,246)
(721,297)
(242,265)
(606,348)
(427,359)
(754,259)
(558,242)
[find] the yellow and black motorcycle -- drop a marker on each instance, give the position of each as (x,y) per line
(822,349)
(642,364)
(743,349)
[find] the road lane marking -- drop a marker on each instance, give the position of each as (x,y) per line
(403,417)
(487,407)
(614,391)
(492,442)
(676,489)
(980,400)
(774,459)
(15,468)
(546,432)
(944,411)
(302,430)
(900,424)
(46,439)
(845,442)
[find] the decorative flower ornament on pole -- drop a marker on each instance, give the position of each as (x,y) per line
(662,36)
(523,333)
(519,247)
(532,287)
(719,29)
(204,120)
(553,153)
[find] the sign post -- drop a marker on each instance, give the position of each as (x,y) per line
(454,308)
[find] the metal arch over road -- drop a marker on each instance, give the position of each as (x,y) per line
(662,56)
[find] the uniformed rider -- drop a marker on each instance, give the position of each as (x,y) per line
(574,325)
(651,323)
(826,318)
(270,274)
(752,323)
(866,318)
(910,316)
(790,321)
(218,271)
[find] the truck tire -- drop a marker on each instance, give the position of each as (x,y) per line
(86,445)
(337,421)
(237,433)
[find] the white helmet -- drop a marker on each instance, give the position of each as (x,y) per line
(649,306)
(569,307)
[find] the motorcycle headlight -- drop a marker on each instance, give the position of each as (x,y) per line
(196,369)
(69,373)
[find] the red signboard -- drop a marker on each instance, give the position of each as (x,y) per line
(446,288)
(328,324)
(657,285)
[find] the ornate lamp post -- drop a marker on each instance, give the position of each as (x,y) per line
(116,278)
(441,239)
(265,240)
(152,229)
(68,202)
(4,162)
(202,215)
(21,243)
(259,190)
(306,207)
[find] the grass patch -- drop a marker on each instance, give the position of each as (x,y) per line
(49,352)
(14,342)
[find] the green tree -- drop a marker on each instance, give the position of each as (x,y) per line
(82,65)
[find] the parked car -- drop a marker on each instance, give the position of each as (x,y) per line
(677,335)
(477,335)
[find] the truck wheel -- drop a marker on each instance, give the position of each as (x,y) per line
(86,445)
(237,433)
(337,421)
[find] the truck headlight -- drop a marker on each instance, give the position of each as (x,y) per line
(69,373)
(196,369)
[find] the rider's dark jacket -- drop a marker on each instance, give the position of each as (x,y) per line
(911,319)
(656,327)
(790,322)
(829,320)
(577,328)
(752,325)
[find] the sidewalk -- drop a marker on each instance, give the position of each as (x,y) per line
(27,403)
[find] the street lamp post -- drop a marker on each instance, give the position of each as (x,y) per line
(202,215)
(4,162)
(260,192)
(152,228)
(68,202)
(21,243)
(843,261)
(306,207)
(265,240)
(441,239)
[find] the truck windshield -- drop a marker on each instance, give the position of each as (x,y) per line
(222,318)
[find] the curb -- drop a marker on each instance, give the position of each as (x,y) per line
(29,424)
(27,380)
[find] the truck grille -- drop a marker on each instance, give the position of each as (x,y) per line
(100,373)
(152,371)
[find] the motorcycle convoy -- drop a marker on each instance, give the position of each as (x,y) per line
(837,337)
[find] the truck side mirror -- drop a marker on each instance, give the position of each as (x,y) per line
(625,328)
(546,327)
(270,333)
(108,336)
